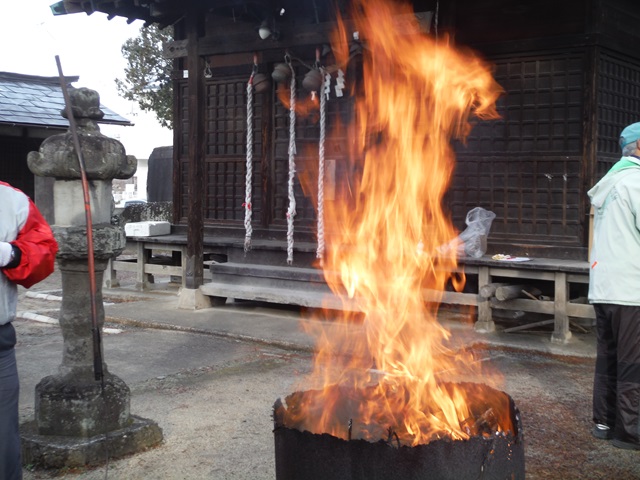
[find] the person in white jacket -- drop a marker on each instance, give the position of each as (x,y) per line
(27,256)
(614,291)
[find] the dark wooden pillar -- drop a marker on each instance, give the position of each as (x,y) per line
(196,105)
(590,120)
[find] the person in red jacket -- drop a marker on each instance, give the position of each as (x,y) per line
(27,255)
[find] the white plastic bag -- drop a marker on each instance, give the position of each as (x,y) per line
(472,242)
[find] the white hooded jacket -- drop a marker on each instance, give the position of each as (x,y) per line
(13,216)
(614,276)
(22,225)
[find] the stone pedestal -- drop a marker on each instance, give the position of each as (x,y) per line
(193,299)
(78,406)
(81,420)
(57,451)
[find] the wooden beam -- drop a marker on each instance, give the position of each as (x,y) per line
(175,49)
(244,38)
(196,108)
(241,39)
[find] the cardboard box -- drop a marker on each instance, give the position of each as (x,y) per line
(147,229)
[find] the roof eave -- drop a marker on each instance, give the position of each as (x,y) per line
(163,13)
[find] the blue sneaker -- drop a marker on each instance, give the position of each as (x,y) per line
(601,432)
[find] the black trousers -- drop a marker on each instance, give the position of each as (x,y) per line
(10,463)
(616,386)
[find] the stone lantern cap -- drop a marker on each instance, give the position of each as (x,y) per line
(104,157)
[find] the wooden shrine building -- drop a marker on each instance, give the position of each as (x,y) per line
(571,75)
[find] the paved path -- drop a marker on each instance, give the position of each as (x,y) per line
(210,378)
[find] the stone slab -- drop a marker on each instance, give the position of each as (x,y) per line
(147,229)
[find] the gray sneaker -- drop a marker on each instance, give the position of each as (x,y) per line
(601,432)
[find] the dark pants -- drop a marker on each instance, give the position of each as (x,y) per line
(616,386)
(10,464)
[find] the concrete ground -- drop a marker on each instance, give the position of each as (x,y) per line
(210,378)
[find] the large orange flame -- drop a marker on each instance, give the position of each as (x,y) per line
(417,94)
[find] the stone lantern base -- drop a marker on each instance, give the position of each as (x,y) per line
(78,422)
(75,405)
(49,451)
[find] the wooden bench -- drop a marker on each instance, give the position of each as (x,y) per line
(144,265)
(561,273)
(480,272)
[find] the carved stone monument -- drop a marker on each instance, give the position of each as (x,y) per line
(80,420)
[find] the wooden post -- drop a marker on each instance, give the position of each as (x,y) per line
(144,255)
(561,333)
(110,276)
(196,104)
(485,322)
(590,123)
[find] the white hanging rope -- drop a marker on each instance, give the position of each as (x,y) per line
(291,211)
(249,170)
(323,102)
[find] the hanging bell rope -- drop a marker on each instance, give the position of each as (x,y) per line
(249,170)
(291,211)
(323,105)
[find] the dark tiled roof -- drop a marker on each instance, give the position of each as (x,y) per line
(168,12)
(164,12)
(29,100)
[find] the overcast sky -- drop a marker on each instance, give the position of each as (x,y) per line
(89,47)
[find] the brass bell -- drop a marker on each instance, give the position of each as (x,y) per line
(312,81)
(261,83)
(281,72)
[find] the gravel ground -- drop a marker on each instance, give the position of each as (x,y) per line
(216,416)
(554,397)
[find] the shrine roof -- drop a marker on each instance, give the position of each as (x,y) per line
(168,12)
(31,100)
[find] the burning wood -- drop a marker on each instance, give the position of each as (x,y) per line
(489,412)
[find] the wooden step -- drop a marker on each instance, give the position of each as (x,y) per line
(275,294)
(303,286)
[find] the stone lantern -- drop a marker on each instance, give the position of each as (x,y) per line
(77,416)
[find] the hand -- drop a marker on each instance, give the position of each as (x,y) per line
(5,253)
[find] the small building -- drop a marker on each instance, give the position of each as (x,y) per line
(30,111)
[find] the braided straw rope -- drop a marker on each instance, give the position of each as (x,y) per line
(323,106)
(249,173)
(291,211)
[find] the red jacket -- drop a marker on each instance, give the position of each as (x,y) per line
(22,225)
